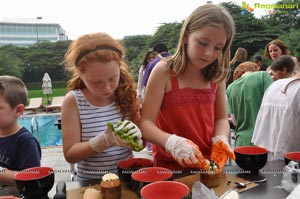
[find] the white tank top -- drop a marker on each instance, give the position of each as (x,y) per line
(94,121)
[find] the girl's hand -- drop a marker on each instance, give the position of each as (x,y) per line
(185,152)
(105,140)
(221,151)
(130,133)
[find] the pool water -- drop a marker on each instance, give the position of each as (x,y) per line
(50,135)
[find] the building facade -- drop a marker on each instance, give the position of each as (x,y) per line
(26,34)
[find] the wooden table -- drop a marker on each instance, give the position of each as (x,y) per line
(272,172)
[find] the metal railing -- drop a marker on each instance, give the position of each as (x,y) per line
(35,122)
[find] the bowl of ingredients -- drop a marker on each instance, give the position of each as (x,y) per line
(212,177)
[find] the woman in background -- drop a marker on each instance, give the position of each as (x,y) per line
(150,55)
(244,97)
(275,49)
(240,56)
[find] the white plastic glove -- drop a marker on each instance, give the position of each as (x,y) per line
(185,152)
(130,132)
(105,140)
(133,130)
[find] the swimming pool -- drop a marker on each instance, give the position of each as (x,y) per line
(50,135)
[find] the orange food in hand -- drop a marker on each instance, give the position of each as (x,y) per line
(220,153)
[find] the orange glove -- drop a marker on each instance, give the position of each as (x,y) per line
(185,152)
(220,151)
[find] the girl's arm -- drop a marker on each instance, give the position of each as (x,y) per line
(221,150)
(221,120)
(185,152)
(74,149)
(158,83)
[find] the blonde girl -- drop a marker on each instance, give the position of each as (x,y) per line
(184,112)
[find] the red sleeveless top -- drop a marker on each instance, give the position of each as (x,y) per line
(187,113)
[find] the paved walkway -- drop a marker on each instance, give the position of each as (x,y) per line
(53,157)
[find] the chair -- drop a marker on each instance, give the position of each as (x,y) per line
(35,104)
(56,104)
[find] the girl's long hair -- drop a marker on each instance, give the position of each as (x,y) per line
(101,47)
(204,16)
(241,54)
(284,48)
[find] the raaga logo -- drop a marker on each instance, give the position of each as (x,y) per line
(246,8)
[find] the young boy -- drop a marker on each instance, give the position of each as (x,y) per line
(18,148)
(282,67)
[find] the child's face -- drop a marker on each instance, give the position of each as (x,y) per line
(204,46)
(278,74)
(101,78)
(8,115)
(274,51)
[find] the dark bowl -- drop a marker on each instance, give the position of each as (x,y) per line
(292,156)
(145,176)
(127,167)
(251,158)
(34,182)
(165,190)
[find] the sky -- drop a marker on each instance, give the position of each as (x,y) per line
(117,18)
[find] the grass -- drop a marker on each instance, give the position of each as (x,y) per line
(35,90)
(39,93)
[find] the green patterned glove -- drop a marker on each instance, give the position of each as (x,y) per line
(130,133)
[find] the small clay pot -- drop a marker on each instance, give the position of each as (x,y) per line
(211,179)
(111,189)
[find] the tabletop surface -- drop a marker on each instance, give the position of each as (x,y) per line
(272,172)
(266,190)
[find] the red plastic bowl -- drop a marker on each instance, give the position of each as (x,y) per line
(165,190)
(135,163)
(127,167)
(145,176)
(34,182)
(9,197)
(33,173)
(250,150)
(292,156)
(251,158)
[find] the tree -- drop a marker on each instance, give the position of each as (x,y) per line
(167,33)
(45,57)
(291,39)
(251,33)
(285,15)
(10,64)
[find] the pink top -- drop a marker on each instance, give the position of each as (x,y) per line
(188,113)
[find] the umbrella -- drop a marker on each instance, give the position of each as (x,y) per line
(47,86)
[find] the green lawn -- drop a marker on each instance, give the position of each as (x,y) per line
(39,93)
(35,90)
